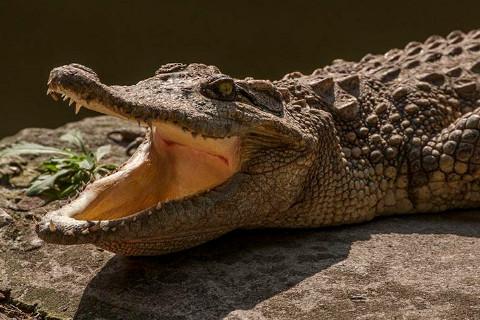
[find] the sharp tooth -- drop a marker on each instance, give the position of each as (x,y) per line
(77,108)
(49,91)
(70,102)
(52,226)
(64,97)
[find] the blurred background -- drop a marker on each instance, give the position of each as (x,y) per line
(125,42)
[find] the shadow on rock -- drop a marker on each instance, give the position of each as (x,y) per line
(239,270)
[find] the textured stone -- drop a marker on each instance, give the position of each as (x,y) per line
(5,218)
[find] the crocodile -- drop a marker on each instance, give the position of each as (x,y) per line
(396,133)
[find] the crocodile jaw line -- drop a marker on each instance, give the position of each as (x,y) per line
(172,164)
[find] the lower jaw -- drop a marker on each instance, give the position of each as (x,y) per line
(160,170)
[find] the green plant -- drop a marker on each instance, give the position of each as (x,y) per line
(68,171)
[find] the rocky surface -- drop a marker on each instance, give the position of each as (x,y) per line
(404,267)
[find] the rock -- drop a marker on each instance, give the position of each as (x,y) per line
(8,169)
(5,218)
(34,244)
(29,203)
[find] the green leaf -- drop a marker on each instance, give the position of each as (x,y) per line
(75,138)
(66,172)
(86,165)
(69,190)
(48,167)
(44,182)
(31,148)
(108,166)
(102,152)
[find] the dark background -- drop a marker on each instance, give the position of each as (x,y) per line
(125,42)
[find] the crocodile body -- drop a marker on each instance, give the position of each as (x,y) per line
(392,134)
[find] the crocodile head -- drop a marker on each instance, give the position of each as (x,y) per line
(219,154)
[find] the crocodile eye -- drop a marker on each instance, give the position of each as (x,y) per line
(225,88)
(220,89)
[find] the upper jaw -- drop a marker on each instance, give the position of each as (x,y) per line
(172,98)
(150,100)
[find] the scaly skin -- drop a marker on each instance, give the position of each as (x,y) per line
(392,134)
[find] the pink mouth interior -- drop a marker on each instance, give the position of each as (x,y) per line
(173,165)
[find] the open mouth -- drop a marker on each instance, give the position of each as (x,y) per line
(171,164)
